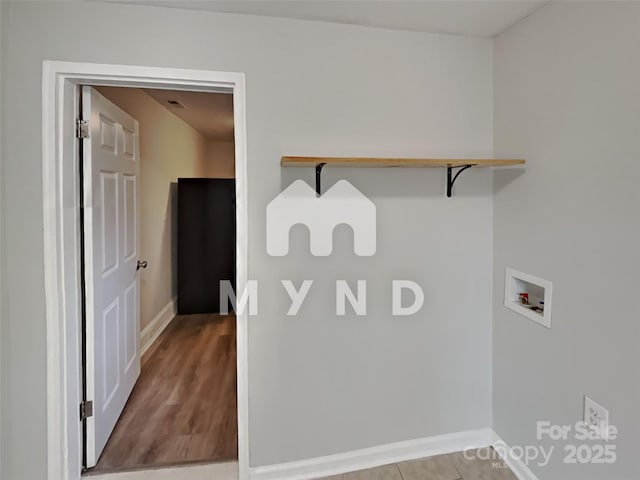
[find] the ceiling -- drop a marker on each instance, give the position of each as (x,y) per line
(211,114)
(480,18)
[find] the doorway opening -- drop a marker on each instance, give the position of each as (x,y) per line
(64,198)
(159,236)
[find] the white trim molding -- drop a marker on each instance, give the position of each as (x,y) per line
(375,456)
(61,204)
(155,327)
(517,466)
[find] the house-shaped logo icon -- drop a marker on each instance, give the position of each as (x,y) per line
(342,203)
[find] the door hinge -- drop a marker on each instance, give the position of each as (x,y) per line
(82,129)
(86,410)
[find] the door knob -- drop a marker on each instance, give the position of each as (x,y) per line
(141,264)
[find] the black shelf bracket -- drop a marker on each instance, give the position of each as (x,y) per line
(451,179)
(319,178)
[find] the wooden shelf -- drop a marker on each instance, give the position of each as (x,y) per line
(356,162)
(461,164)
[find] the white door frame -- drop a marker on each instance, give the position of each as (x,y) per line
(60,182)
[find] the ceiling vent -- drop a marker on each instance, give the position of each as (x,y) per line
(175,104)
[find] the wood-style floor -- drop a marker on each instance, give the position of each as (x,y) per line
(183,407)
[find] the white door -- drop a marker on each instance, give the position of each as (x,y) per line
(112,285)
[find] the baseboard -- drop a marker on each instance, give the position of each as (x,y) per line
(153,330)
(517,466)
(374,456)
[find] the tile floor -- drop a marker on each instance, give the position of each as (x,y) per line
(442,467)
(481,464)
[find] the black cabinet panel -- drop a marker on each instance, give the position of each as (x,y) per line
(206,242)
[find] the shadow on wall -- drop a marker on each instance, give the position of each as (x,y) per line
(504,176)
(396,182)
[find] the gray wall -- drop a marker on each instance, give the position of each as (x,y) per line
(318,384)
(567,98)
(3,31)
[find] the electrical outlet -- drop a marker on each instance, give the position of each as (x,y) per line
(596,417)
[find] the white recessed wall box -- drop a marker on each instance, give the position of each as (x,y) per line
(528,295)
